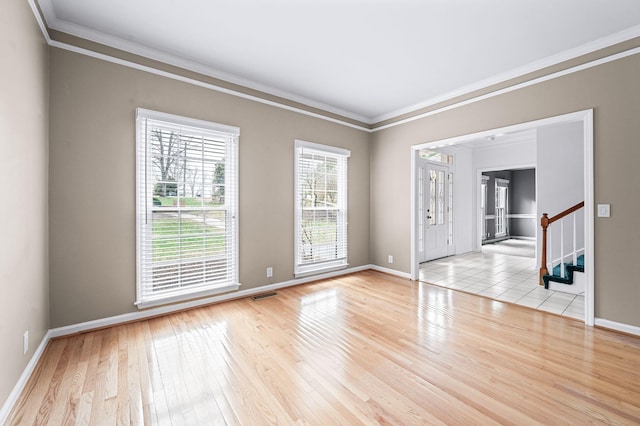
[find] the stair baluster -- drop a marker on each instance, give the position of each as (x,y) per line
(561,249)
(575,242)
(545,221)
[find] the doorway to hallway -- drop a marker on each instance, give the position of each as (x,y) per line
(467,202)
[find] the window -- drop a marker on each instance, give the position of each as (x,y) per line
(450,209)
(502,193)
(321,208)
(421,214)
(483,205)
(436,156)
(186,212)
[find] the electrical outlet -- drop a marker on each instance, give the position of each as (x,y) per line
(25,342)
(269,272)
(390,259)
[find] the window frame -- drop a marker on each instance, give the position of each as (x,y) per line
(301,268)
(484,197)
(145,208)
(502,185)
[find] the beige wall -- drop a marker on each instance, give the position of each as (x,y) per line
(613,91)
(24,303)
(92,155)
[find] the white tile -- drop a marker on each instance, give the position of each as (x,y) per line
(573,315)
(477,288)
(460,285)
(492,292)
(506,278)
(553,305)
(508,298)
(552,309)
(536,296)
(575,310)
(529,303)
(563,296)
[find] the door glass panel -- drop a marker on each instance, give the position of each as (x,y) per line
(421,215)
(441,197)
(450,209)
(431,214)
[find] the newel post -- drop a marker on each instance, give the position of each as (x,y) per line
(544,222)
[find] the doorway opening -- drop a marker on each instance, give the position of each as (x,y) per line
(468,197)
(508,212)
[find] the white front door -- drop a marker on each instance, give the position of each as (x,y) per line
(433,211)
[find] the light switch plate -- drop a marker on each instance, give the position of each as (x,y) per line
(604,210)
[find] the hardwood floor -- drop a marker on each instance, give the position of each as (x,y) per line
(366,348)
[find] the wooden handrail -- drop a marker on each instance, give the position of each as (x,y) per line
(565,213)
(545,221)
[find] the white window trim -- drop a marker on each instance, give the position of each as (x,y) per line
(484,185)
(504,183)
(144,301)
(302,270)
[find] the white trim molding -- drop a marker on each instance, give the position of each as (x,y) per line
(6,408)
(617,326)
(521,216)
(168,309)
(559,58)
(199,83)
(513,88)
(8,405)
(170,59)
(390,271)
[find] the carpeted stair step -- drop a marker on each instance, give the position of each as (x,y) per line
(570,268)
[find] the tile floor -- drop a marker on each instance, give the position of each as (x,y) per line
(503,277)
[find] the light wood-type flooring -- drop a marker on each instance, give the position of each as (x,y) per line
(366,348)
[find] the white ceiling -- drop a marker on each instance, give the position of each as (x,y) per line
(365,59)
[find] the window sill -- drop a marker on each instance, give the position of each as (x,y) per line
(309,272)
(185,296)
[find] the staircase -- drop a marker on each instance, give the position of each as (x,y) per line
(568,276)
(567,270)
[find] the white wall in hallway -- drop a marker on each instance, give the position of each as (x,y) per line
(560,175)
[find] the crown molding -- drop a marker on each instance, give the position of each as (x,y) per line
(528,83)
(199,83)
(175,60)
(40,20)
(559,58)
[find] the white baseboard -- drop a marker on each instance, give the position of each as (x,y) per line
(390,271)
(24,377)
(618,326)
(134,316)
(163,310)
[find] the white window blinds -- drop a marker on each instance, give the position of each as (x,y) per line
(321,208)
(187,192)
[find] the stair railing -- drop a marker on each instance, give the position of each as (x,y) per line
(545,221)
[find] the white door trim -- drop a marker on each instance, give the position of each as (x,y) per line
(586,117)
